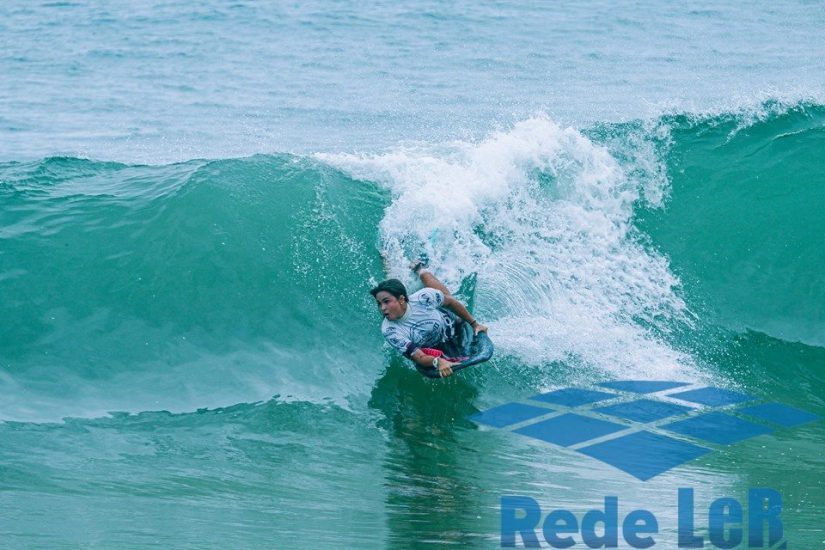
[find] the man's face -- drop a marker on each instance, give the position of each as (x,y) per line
(391,307)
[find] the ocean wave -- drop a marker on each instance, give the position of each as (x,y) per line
(742,224)
(209,283)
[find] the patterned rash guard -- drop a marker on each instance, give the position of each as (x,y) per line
(424,325)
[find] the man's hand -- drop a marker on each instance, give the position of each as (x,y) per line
(445,368)
(479,328)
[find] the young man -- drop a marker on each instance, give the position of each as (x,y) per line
(420,321)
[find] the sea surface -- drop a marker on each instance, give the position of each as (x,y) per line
(195,196)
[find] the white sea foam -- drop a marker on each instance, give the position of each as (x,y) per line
(544,216)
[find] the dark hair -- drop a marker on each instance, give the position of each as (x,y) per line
(393,286)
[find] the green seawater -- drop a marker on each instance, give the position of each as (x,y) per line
(743,227)
(190,357)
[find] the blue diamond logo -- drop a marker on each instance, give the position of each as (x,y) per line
(642,386)
(714,397)
(641,453)
(643,410)
(572,397)
(509,413)
(644,454)
(717,427)
(780,414)
(569,429)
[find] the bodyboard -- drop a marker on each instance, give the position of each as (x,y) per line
(477,348)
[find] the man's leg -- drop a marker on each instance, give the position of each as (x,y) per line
(430,281)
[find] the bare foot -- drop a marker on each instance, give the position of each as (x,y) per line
(385,261)
(419,264)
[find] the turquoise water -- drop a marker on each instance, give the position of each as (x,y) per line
(193,204)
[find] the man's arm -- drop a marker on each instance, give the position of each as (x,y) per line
(462,312)
(445,368)
(404,346)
